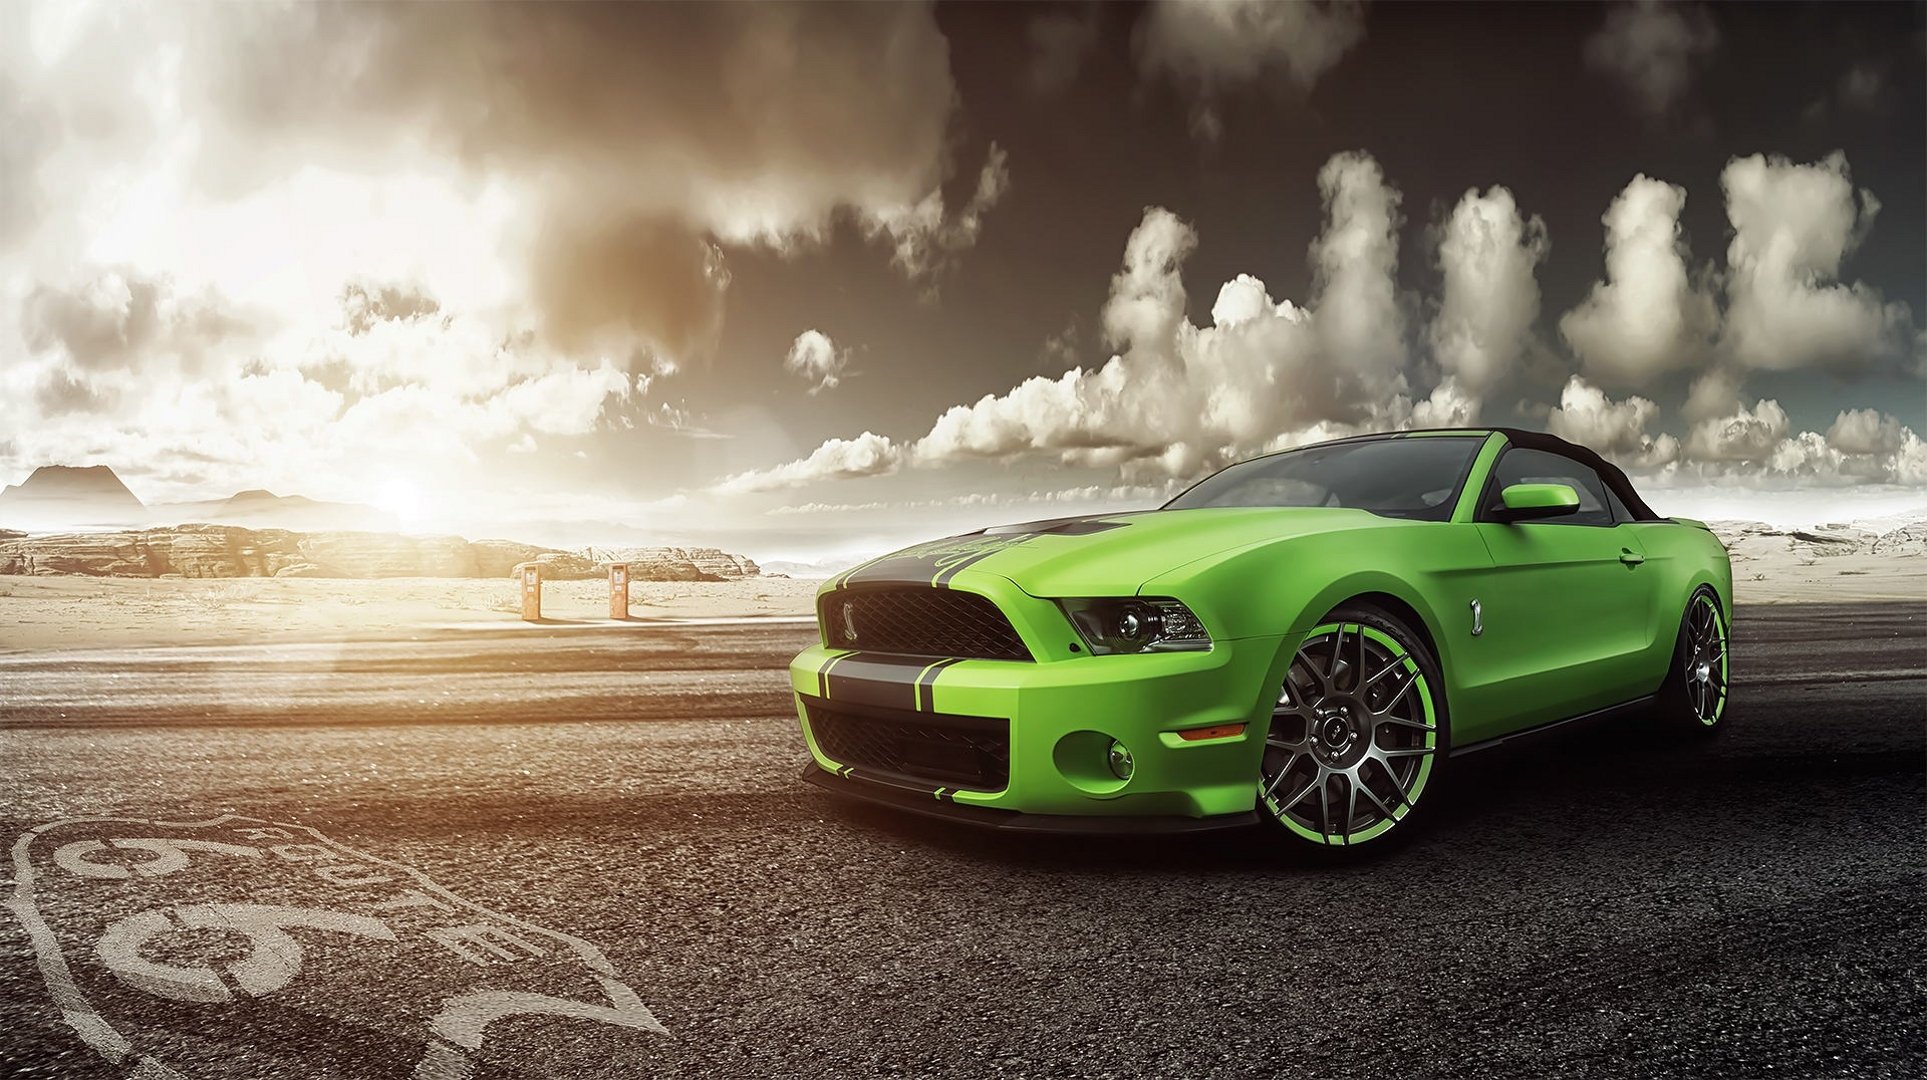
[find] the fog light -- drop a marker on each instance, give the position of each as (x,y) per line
(1120,760)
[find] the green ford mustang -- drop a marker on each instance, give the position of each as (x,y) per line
(1303,640)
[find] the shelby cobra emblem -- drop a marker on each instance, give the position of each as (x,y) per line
(1302,640)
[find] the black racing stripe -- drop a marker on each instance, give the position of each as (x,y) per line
(942,580)
(919,565)
(1069,526)
(912,565)
(878,679)
(927,684)
(844,578)
(823,676)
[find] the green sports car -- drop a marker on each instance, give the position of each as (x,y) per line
(1302,640)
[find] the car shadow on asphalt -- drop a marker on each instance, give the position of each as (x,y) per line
(1612,788)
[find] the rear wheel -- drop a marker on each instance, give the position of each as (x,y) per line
(1357,736)
(1693,697)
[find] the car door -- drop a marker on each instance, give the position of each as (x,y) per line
(1564,612)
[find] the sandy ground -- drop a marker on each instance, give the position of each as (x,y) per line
(81,612)
(1780,570)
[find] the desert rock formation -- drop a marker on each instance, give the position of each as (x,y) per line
(224,551)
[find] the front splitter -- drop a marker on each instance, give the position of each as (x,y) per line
(926,803)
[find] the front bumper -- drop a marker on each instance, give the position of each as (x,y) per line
(915,801)
(1061,716)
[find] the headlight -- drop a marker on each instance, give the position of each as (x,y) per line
(1134,625)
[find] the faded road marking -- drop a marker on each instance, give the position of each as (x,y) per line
(215,914)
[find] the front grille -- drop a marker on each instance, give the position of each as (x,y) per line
(920,622)
(950,751)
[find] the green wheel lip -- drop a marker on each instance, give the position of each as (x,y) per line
(1719,629)
(1419,778)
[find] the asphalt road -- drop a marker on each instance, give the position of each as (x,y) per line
(586,853)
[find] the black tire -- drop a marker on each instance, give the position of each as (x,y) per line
(1369,739)
(1692,700)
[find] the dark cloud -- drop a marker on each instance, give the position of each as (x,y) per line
(106,323)
(64,392)
(679,124)
(1652,48)
(28,137)
(1213,49)
(639,275)
(713,93)
(1060,42)
(120,319)
(364,304)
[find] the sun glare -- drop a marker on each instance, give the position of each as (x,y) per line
(401,498)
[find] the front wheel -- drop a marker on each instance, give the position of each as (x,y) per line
(1693,697)
(1357,736)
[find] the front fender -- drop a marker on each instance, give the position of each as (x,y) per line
(1285,589)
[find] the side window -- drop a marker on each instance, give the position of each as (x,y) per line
(1521,466)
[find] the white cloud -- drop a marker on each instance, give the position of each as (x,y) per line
(1862,446)
(868,454)
(1178,398)
(1648,316)
(1651,47)
(354,213)
(1748,435)
(1209,47)
(1901,459)
(1151,494)
(1360,323)
(1487,254)
(1716,392)
(1793,226)
(1866,431)
(123,371)
(1450,405)
(1910,461)
(817,359)
(925,237)
(1616,429)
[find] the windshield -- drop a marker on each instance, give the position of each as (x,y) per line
(1409,478)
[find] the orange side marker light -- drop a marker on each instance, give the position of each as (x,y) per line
(1221,731)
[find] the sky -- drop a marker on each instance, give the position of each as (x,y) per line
(807,279)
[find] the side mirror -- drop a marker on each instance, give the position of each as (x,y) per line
(1532,502)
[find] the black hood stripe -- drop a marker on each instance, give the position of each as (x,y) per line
(937,562)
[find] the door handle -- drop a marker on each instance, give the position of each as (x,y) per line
(1631,557)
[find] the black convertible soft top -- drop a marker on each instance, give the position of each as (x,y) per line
(1614,477)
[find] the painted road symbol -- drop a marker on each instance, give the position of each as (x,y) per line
(239,946)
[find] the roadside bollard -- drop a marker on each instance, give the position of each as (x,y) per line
(619,590)
(530,575)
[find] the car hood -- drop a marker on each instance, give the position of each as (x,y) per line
(1101,555)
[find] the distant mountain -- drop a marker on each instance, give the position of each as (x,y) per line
(255,499)
(261,509)
(814,570)
(61,497)
(71,495)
